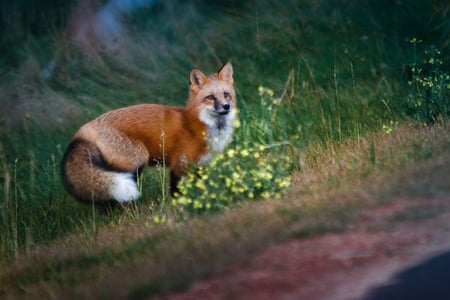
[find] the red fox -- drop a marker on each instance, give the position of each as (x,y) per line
(105,157)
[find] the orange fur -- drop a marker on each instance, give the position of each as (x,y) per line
(106,155)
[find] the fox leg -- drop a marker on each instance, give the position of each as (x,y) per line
(174,179)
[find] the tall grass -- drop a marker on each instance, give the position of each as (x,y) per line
(305,73)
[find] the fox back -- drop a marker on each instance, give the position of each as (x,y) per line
(106,156)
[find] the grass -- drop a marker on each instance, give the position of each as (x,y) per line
(328,195)
(329,82)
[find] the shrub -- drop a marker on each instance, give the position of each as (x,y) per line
(238,174)
(429,97)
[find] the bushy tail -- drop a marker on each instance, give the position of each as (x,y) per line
(87,176)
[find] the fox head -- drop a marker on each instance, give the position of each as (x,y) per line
(213,96)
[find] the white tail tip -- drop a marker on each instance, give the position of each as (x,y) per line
(123,188)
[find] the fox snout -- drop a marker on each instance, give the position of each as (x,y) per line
(222,108)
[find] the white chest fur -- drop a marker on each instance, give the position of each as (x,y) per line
(219,131)
(218,138)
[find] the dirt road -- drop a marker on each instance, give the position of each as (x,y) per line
(363,262)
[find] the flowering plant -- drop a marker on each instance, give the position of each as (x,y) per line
(429,98)
(240,173)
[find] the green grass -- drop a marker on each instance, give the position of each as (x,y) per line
(330,193)
(326,81)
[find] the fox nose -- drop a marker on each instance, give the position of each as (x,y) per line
(222,108)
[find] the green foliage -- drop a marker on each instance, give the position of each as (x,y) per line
(33,204)
(429,98)
(29,24)
(305,72)
(239,174)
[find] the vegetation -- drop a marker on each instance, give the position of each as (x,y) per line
(336,98)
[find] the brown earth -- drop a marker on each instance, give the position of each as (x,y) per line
(343,265)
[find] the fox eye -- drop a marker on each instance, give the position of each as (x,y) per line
(227,95)
(210,97)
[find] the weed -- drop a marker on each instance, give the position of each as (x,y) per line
(241,173)
(429,97)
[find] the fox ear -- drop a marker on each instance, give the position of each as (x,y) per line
(197,79)
(226,73)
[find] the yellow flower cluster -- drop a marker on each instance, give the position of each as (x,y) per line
(388,128)
(240,173)
(268,99)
